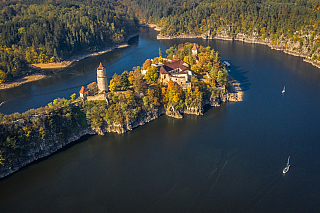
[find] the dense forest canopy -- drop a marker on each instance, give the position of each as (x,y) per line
(197,16)
(45,31)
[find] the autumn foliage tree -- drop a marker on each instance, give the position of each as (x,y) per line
(152,74)
(174,96)
(138,84)
(146,64)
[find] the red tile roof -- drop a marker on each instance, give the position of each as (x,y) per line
(194,47)
(83,90)
(166,69)
(101,66)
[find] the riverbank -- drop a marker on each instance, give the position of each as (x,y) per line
(247,39)
(23,80)
(153,26)
(45,67)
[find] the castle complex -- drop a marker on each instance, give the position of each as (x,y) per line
(102,86)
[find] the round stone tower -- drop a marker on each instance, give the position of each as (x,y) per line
(102,78)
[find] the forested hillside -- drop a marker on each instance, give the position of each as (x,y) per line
(36,31)
(292,24)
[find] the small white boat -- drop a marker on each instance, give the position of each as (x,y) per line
(286,169)
(227,64)
(284,89)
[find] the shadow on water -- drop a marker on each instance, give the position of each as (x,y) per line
(40,160)
(240,75)
(133,40)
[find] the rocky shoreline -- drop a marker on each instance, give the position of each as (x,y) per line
(52,145)
(247,39)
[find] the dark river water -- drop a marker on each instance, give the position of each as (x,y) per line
(228,160)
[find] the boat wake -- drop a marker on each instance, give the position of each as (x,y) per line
(210,182)
(252,204)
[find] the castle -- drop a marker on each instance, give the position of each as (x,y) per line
(102,86)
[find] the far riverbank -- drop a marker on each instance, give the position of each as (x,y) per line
(43,68)
(246,39)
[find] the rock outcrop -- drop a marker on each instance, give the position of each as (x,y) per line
(122,128)
(174,114)
(193,110)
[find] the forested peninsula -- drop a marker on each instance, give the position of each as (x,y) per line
(288,25)
(34,31)
(189,77)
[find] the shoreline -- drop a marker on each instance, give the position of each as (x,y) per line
(23,80)
(66,63)
(243,39)
(153,26)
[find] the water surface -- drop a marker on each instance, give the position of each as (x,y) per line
(228,160)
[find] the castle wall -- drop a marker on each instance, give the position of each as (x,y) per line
(98,97)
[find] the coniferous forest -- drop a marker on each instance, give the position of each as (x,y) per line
(35,31)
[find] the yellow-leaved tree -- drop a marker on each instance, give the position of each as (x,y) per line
(3,76)
(112,86)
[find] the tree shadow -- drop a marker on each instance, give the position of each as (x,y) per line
(240,75)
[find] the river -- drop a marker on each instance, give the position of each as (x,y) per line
(228,160)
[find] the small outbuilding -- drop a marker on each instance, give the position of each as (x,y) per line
(83,92)
(194,50)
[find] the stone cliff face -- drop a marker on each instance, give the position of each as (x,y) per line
(174,114)
(42,150)
(193,111)
(122,128)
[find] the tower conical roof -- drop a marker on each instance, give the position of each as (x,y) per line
(194,47)
(101,66)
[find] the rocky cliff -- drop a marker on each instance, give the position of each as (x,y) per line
(52,144)
(125,127)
